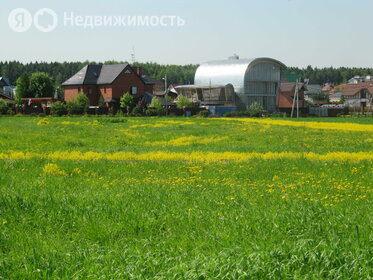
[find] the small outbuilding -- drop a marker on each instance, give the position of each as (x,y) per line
(287,94)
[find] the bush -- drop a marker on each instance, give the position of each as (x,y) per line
(157,107)
(150,112)
(204,113)
(79,105)
(237,114)
(127,102)
(183,102)
(58,108)
(73,108)
(83,102)
(156,103)
(3,107)
(255,110)
(137,112)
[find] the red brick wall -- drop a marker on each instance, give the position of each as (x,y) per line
(106,91)
(71,92)
(124,82)
(91,91)
(149,88)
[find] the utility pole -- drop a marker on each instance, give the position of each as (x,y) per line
(165,93)
(297,91)
(295,99)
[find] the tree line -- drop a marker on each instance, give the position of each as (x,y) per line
(60,72)
(329,74)
(176,74)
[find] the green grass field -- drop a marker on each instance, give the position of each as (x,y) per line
(185,198)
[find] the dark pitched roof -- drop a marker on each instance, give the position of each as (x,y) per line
(96,75)
(110,72)
(4,82)
(92,75)
(151,81)
(78,78)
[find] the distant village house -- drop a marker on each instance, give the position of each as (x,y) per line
(109,83)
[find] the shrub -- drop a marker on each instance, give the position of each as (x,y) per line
(183,102)
(156,103)
(157,106)
(237,114)
(73,108)
(127,102)
(58,108)
(83,102)
(3,107)
(204,113)
(79,105)
(137,111)
(255,110)
(150,112)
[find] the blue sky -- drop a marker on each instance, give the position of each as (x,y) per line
(297,32)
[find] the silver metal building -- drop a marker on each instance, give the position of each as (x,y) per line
(254,80)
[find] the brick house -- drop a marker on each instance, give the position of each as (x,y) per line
(110,82)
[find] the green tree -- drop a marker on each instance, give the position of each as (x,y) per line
(183,102)
(127,102)
(23,87)
(41,85)
(157,105)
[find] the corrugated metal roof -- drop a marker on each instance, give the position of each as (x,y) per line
(230,71)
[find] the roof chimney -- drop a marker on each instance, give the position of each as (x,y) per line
(138,70)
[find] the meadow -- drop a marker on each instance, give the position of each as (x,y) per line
(186,198)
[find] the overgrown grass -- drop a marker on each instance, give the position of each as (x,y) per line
(258,219)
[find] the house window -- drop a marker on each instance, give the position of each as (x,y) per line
(133,90)
(79,89)
(89,91)
(104,89)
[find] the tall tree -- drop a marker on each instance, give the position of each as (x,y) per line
(41,85)
(23,86)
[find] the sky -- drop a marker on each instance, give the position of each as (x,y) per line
(320,33)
